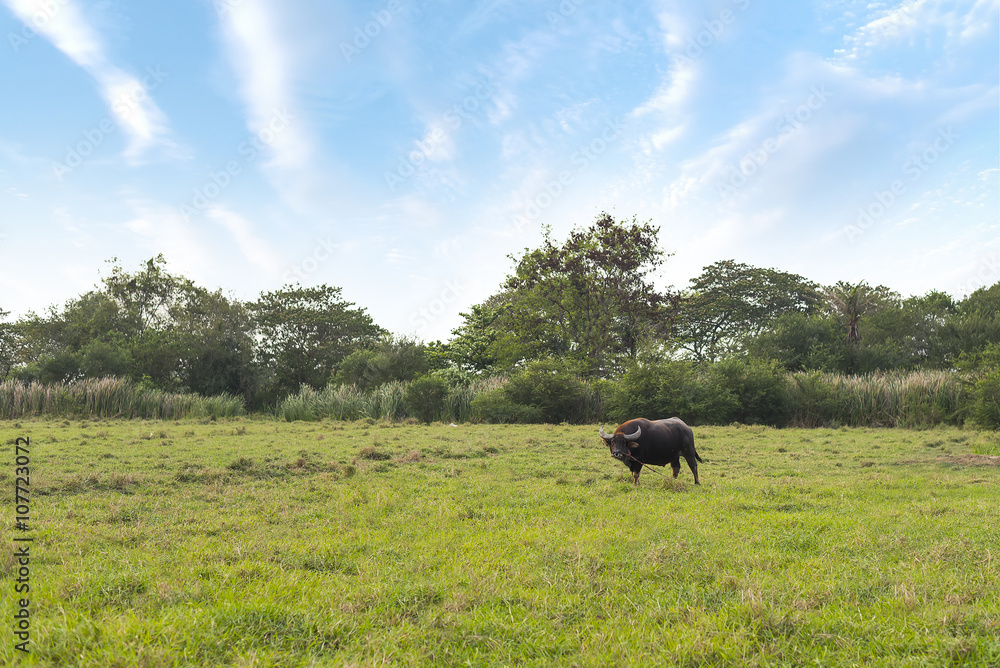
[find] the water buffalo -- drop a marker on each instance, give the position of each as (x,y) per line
(641,442)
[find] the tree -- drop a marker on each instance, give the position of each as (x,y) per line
(476,344)
(800,341)
(146,299)
(589,300)
(121,328)
(305,333)
(10,343)
(215,337)
(392,359)
(732,302)
(148,326)
(852,302)
(975,323)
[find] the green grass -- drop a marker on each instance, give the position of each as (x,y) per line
(255,542)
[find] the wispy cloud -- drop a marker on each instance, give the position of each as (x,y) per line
(668,105)
(915,22)
(126,95)
(255,249)
(264,65)
(161,229)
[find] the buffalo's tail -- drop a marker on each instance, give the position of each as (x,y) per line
(696,455)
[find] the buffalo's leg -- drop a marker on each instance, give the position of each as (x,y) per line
(636,468)
(676,466)
(693,463)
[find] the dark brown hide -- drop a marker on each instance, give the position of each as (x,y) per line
(659,442)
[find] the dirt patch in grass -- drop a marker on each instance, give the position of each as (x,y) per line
(970,460)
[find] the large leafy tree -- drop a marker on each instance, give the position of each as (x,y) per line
(976,321)
(122,327)
(149,326)
(215,335)
(476,344)
(589,299)
(731,302)
(305,333)
(801,341)
(901,333)
(394,358)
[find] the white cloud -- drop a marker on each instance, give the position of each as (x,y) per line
(264,65)
(668,107)
(675,31)
(889,26)
(162,229)
(127,96)
(675,93)
(913,22)
(255,249)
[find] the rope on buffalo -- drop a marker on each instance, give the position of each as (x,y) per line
(649,466)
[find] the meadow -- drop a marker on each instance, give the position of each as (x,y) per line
(256,542)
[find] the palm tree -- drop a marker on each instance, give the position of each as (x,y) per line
(851,302)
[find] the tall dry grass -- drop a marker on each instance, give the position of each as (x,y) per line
(108,397)
(884,399)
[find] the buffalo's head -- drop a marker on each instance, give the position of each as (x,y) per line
(619,442)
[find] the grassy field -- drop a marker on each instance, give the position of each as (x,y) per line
(253,542)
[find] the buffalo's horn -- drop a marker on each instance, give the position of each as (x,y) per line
(606,437)
(635,436)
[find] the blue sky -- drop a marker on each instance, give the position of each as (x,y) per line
(401,150)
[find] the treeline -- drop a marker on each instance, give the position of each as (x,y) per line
(578,332)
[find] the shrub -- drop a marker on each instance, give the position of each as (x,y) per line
(812,399)
(983,366)
(357,369)
(396,359)
(454,377)
(496,408)
(424,397)
(986,400)
(713,401)
(749,390)
(653,391)
(558,393)
(458,403)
